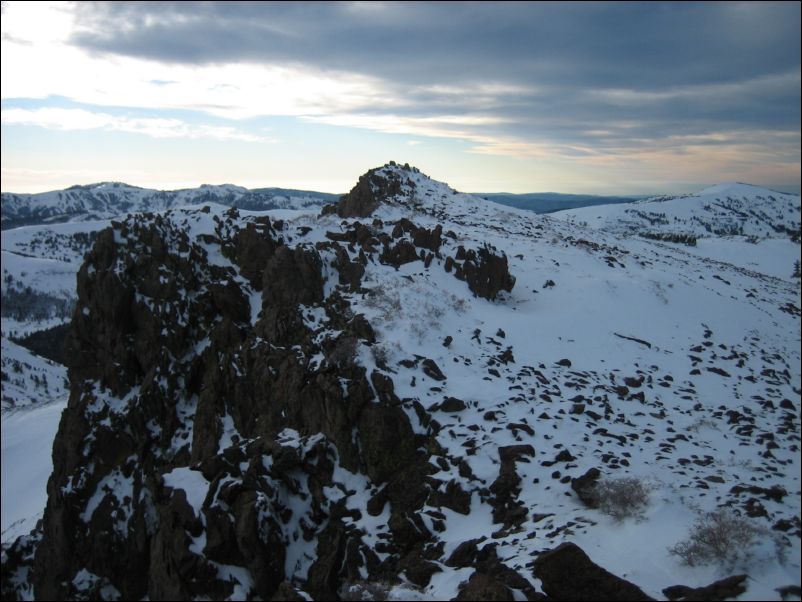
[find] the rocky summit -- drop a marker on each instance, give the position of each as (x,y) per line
(412,393)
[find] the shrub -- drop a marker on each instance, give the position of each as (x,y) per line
(343,351)
(719,537)
(379,353)
(622,498)
(363,590)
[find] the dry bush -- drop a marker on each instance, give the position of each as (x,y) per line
(622,498)
(719,537)
(363,590)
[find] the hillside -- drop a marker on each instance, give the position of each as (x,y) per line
(420,391)
(749,226)
(730,209)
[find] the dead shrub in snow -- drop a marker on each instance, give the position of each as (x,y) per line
(720,537)
(363,590)
(343,352)
(386,302)
(379,352)
(622,498)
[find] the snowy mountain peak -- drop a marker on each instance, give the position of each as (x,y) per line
(223,188)
(103,186)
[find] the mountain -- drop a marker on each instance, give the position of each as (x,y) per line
(414,394)
(113,199)
(549,202)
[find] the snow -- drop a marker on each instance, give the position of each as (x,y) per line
(761,218)
(27,437)
(773,257)
(118,486)
(192,482)
(28,378)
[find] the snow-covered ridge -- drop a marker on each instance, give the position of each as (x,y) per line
(106,200)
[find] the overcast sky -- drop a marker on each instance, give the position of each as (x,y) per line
(596,97)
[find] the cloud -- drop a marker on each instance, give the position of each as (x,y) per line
(620,44)
(585,82)
(80,119)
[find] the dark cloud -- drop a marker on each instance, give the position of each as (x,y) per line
(660,69)
(623,44)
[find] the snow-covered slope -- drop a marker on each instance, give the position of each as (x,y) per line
(30,380)
(39,264)
(112,199)
(361,396)
(748,226)
(26,465)
(722,210)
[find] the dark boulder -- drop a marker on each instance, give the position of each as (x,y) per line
(464,554)
(387,439)
(585,486)
(567,573)
(487,274)
(398,254)
(723,589)
(252,247)
(484,587)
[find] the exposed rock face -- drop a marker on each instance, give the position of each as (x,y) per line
(484,587)
(568,574)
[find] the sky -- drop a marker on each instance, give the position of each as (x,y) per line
(593,98)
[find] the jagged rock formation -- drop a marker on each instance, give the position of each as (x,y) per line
(148,299)
(191,361)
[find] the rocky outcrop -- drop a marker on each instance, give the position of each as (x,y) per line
(486,273)
(507,509)
(376,186)
(201,434)
(567,573)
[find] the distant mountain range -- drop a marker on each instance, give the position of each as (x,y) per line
(112,199)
